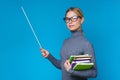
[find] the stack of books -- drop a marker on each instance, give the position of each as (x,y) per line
(81,62)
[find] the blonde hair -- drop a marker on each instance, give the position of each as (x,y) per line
(76,10)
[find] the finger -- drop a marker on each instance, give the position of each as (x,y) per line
(42,50)
(44,53)
(69,64)
(66,63)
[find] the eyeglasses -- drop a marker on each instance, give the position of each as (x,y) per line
(73,19)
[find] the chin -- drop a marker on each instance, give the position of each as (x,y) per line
(73,30)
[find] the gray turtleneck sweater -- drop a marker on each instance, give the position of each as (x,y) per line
(75,45)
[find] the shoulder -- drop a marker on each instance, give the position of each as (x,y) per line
(65,41)
(86,42)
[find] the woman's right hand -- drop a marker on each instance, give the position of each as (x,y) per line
(45,53)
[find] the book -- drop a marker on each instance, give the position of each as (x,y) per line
(81,62)
(83,66)
(79,57)
(74,62)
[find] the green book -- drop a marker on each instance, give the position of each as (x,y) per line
(83,66)
(78,57)
(71,59)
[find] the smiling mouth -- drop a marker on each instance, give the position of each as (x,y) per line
(70,26)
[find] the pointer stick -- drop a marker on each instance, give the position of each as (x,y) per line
(31,26)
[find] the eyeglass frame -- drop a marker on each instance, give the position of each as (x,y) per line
(71,18)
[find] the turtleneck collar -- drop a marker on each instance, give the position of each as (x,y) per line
(77,33)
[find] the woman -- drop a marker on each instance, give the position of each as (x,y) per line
(75,45)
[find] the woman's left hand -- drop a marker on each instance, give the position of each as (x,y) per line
(67,65)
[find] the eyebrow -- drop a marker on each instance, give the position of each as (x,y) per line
(70,17)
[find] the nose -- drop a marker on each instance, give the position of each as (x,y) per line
(70,21)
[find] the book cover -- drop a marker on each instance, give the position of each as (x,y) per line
(82,66)
(74,62)
(79,57)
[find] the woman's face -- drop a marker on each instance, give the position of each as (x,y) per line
(73,21)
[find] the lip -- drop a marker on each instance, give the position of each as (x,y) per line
(71,26)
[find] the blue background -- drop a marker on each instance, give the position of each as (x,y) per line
(20,57)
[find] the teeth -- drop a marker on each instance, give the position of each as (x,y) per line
(71,25)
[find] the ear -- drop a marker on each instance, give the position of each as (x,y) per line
(82,20)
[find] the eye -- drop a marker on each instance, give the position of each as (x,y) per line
(65,18)
(75,17)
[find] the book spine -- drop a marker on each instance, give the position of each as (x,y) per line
(81,61)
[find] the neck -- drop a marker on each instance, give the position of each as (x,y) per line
(77,33)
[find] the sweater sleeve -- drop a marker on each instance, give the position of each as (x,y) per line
(88,49)
(54,61)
